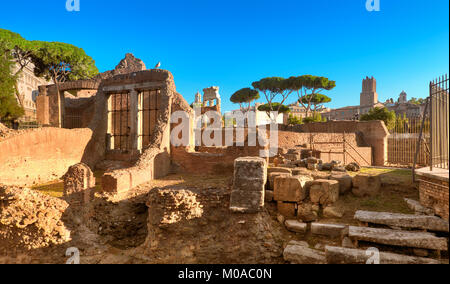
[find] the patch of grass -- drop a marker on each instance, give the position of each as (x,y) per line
(197,181)
(389,176)
(53,188)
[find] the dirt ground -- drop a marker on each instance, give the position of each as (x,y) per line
(114,229)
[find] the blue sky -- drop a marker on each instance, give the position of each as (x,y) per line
(235,42)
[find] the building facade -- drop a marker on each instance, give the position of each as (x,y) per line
(27,85)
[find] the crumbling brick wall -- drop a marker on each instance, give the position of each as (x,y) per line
(434,194)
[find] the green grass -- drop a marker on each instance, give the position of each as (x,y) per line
(56,188)
(53,188)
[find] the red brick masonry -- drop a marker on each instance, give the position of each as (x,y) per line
(433,189)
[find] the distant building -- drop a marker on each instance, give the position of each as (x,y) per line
(368,100)
(405,108)
(261,117)
(27,85)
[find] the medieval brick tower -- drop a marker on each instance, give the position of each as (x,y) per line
(369,95)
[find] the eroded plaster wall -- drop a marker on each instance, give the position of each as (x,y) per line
(41,155)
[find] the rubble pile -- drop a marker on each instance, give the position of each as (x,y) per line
(30,220)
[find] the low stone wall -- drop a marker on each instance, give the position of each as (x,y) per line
(41,155)
(157,165)
(434,190)
(209,160)
(373,133)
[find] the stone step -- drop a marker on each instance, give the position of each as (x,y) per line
(418,208)
(339,255)
(398,238)
(409,221)
(299,253)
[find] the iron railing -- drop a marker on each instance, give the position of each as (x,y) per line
(439,123)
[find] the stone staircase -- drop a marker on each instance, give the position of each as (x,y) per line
(419,233)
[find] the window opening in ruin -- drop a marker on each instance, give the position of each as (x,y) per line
(148,114)
(119,113)
(72,118)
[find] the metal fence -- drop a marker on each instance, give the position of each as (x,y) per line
(405,141)
(439,125)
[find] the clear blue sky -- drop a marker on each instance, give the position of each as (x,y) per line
(235,42)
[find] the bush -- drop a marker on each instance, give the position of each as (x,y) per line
(294,120)
(316,117)
(379,113)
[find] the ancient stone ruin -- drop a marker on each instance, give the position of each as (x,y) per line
(107,178)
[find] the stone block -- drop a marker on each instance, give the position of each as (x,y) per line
(339,255)
(292,157)
(296,226)
(250,169)
(324,192)
(300,172)
(332,212)
(299,254)
(329,230)
(279,170)
(345,182)
(408,221)
(272,177)
(366,185)
(286,209)
(268,196)
(293,189)
(246,201)
(79,182)
(306,212)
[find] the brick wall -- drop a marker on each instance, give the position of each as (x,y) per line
(210,160)
(434,194)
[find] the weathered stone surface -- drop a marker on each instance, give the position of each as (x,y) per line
(330,230)
(398,238)
(353,167)
(339,169)
(296,226)
(409,221)
(312,160)
(79,182)
(347,243)
(250,176)
(286,209)
(338,255)
(418,208)
(293,156)
(293,189)
(306,213)
(324,192)
(268,196)
(300,163)
(312,167)
(298,254)
(345,182)
(272,177)
(332,212)
(300,172)
(246,202)
(30,220)
(279,170)
(366,185)
(327,166)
